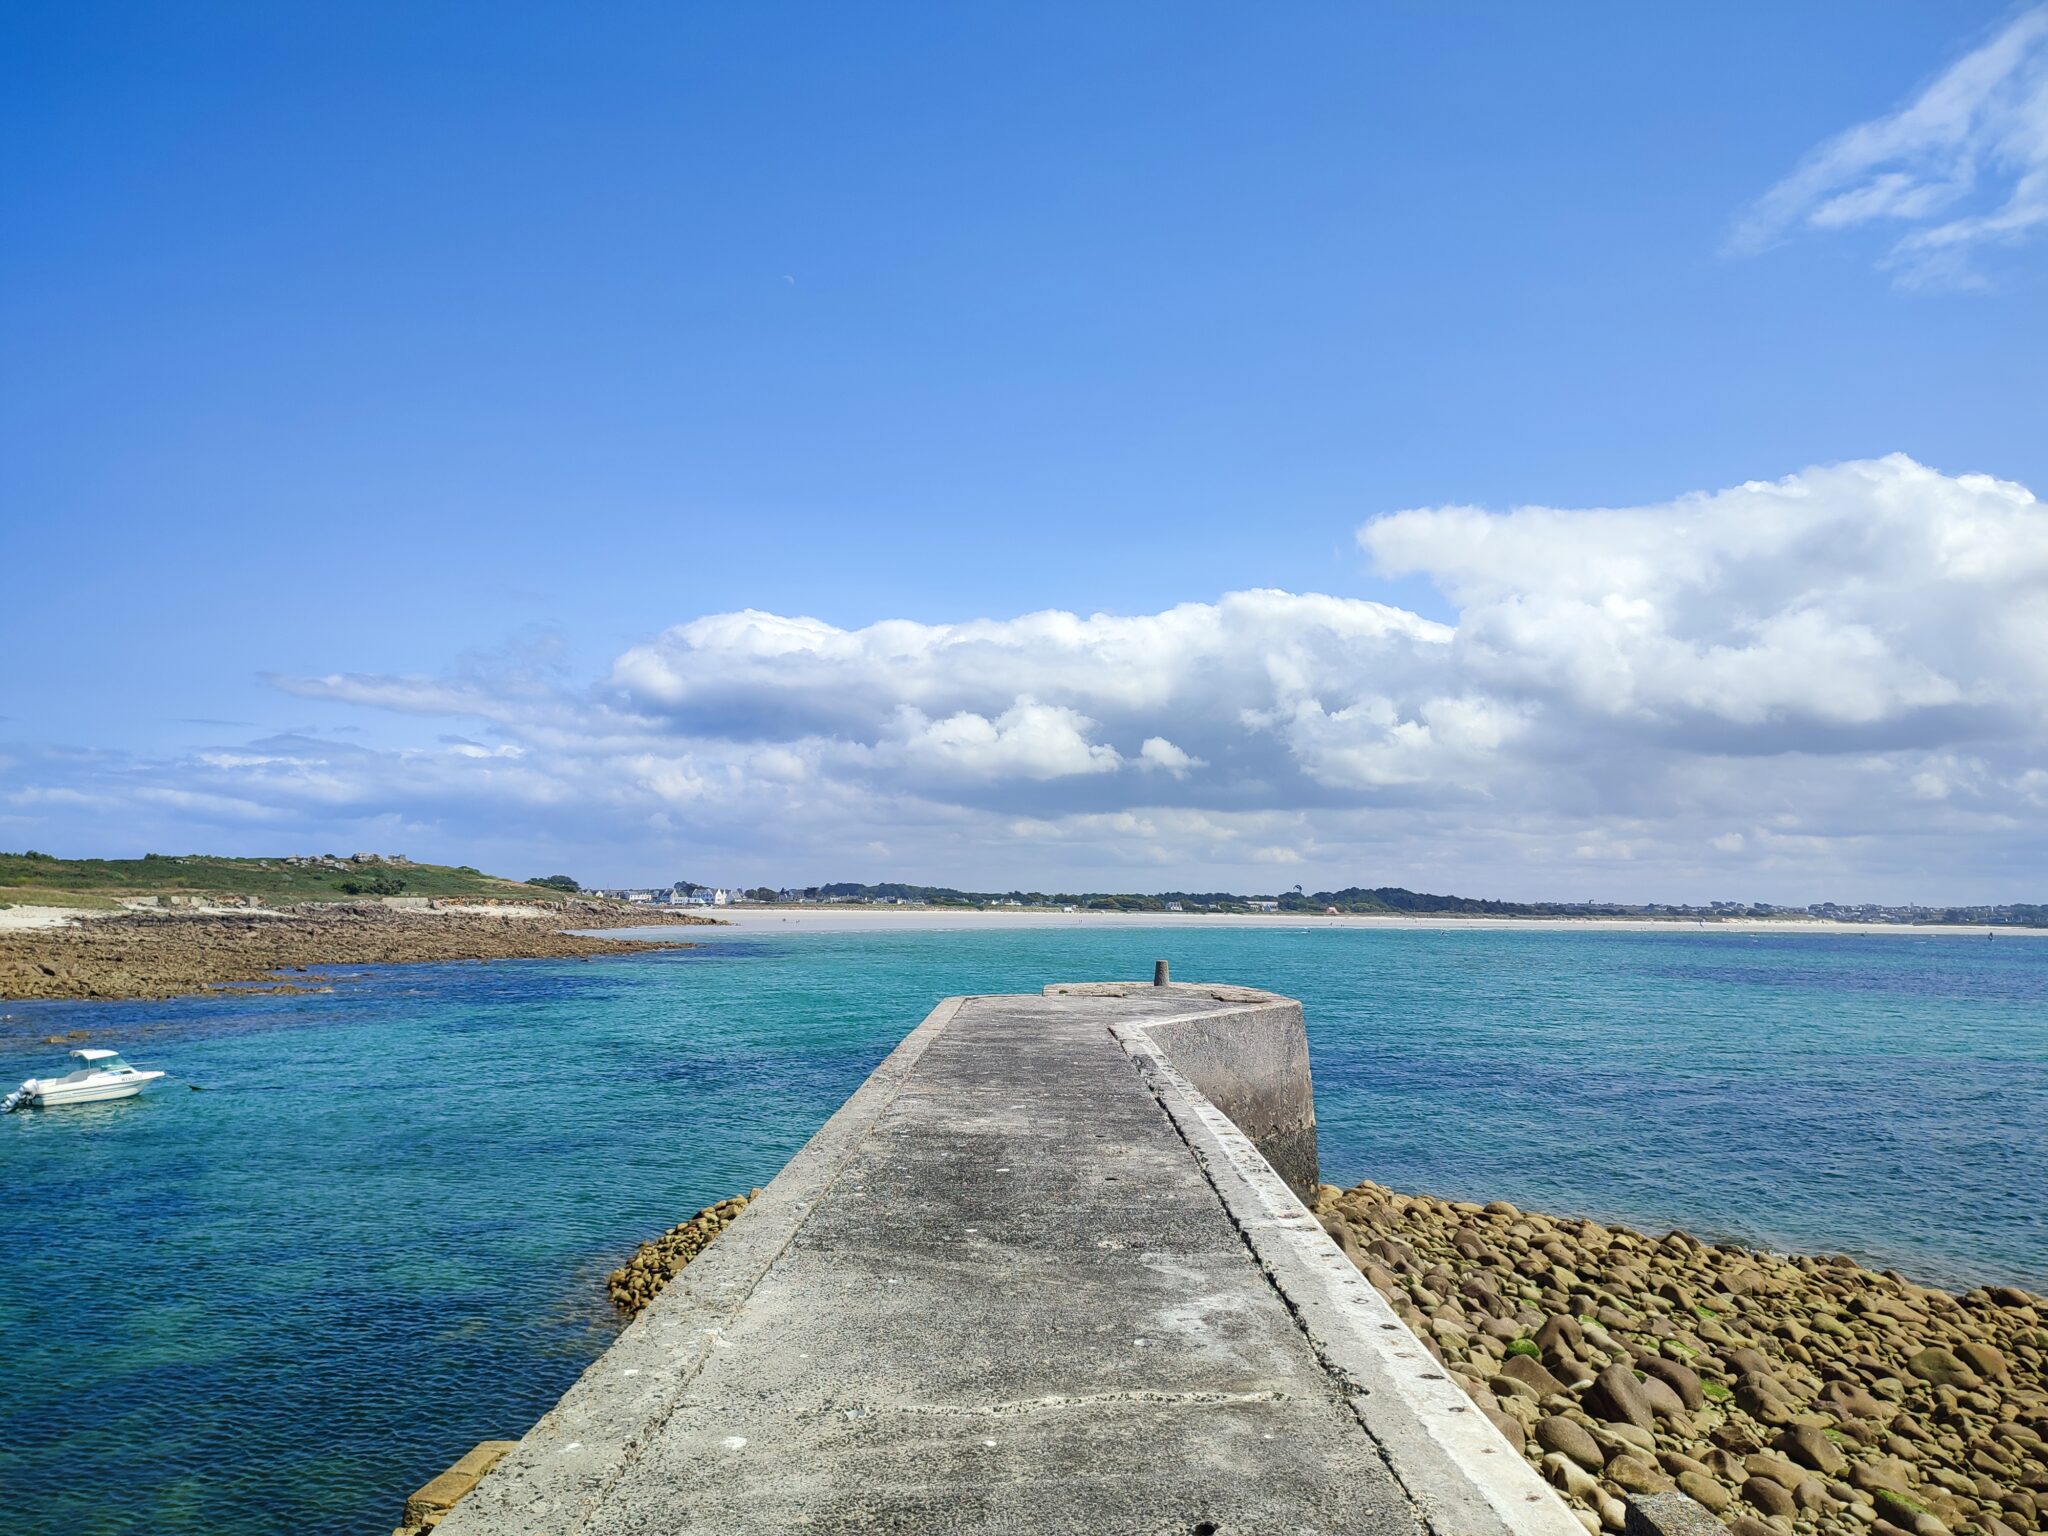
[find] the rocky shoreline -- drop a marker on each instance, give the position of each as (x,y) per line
(149,954)
(1791,1396)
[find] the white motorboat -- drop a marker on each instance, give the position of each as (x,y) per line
(101,1075)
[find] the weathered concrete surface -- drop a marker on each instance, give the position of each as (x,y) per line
(1670,1513)
(1249,1058)
(1028,1279)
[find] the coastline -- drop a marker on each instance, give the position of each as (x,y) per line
(854,919)
(64,954)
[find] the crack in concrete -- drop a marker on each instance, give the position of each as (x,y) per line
(1025,1405)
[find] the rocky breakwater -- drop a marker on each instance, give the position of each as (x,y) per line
(640,1279)
(1790,1396)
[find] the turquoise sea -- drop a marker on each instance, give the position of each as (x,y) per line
(377,1233)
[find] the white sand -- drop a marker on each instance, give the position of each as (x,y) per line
(18,917)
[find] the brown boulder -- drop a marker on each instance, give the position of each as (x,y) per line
(1776,1468)
(1679,1378)
(1483,1296)
(1846,1400)
(1617,1397)
(1768,1497)
(1531,1372)
(1506,1387)
(1632,1474)
(1942,1368)
(1562,1435)
(1985,1361)
(1703,1489)
(1763,1399)
(1664,1402)
(1509,1426)
(1747,1359)
(1810,1447)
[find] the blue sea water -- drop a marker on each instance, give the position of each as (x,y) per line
(377,1233)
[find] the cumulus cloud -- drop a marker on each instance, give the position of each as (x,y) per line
(1817,683)
(1869,603)
(1961,167)
(1029,740)
(1158,752)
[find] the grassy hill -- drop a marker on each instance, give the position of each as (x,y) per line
(43,880)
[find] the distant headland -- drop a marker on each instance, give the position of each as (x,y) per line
(163,926)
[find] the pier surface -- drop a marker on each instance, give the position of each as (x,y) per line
(1043,1273)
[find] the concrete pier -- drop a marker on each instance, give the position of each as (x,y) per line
(1046,1271)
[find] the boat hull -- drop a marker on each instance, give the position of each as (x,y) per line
(56,1097)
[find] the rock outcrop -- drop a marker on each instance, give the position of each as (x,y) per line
(168,954)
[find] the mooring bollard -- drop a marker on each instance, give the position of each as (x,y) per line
(1158,973)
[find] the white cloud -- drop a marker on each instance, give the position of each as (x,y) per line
(1879,599)
(1830,681)
(1029,740)
(1962,166)
(1157,752)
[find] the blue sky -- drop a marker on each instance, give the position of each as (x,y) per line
(382,378)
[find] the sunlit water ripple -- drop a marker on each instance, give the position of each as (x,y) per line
(378,1233)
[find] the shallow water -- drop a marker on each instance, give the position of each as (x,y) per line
(378,1232)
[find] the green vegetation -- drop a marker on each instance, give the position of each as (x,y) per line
(1897,1507)
(380,883)
(34,896)
(44,880)
(556,882)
